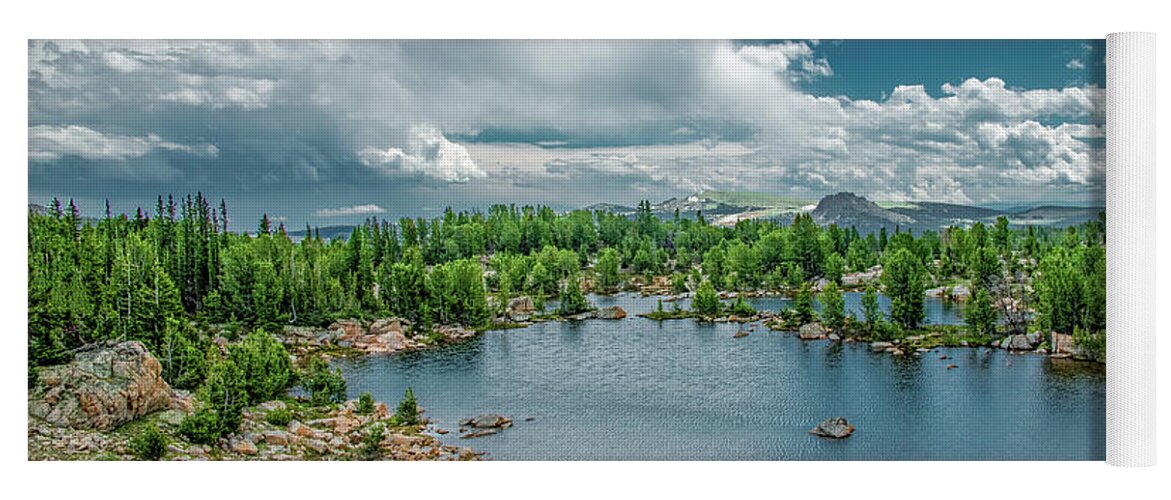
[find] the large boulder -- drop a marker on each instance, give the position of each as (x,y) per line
(1034,338)
(347,329)
(102,388)
(1063,345)
(612,312)
(386,335)
(836,428)
(520,307)
(388,325)
(859,278)
(1017,343)
(454,333)
(812,331)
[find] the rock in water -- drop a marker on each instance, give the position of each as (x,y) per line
(479,433)
(836,428)
(1019,343)
(612,312)
(487,422)
(812,331)
(101,388)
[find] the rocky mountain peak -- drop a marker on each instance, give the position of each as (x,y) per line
(848,209)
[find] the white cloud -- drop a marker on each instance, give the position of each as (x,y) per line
(49,143)
(194,73)
(429,153)
(781,58)
(354,210)
(221,92)
(982,134)
(120,62)
(690,114)
(1075,64)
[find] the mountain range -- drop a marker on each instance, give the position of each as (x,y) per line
(848,209)
(726,208)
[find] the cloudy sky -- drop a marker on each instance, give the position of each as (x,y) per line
(331,132)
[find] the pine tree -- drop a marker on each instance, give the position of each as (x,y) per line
(833,307)
(265,364)
(979,315)
(407,412)
(572,300)
(905,281)
(803,306)
(706,301)
(607,269)
(870,310)
(833,267)
(807,245)
(267,294)
(1060,291)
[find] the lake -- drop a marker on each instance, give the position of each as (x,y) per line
(637,389)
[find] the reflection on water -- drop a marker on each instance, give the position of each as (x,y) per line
(638,389)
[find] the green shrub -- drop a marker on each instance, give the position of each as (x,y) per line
(803,305)
(905,278)
(202,427)
(183,356)
(870,310)
(32,375)
(1092,344)
(833,307)
(279,417)
(365,404)
(265,364)
(706,302)
(226,393)
(325,386)
(742,308)
(150,444)
(372,442)
(886,330)
(407,412)
(572,300)
(980,316)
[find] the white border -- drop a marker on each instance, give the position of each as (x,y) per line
(499,19)
(1130,212)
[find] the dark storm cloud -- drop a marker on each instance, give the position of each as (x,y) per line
(317,130)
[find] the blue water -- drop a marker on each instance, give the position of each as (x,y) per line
(636,389)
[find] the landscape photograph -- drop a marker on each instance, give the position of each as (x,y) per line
(519,250)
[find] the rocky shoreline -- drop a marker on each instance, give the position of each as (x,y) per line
(1055,345)
(392,335)
(366,338)
(93,407)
